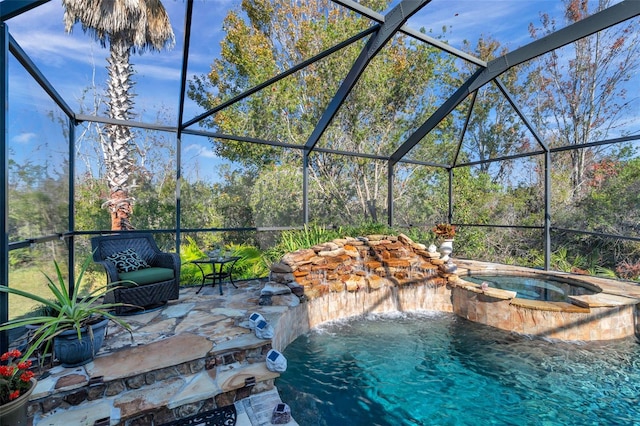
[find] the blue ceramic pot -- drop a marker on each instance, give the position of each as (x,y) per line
(72,352)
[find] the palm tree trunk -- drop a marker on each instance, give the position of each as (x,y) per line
(117,147)
(127,26)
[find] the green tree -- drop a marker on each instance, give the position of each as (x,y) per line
(393,96)
(38,206)
(583,86)
(495,129)
(276,199)
(127,26)
(611,205)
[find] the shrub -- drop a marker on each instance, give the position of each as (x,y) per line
(628,270)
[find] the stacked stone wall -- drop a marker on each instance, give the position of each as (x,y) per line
(130,395)
(360,264)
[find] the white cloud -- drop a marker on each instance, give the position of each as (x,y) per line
(158,72)
(506,21)
(56,49)
(200,151)
(73,61)
(24,138)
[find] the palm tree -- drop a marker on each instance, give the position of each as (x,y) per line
(127,26)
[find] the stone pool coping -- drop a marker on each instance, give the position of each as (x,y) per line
(610,313)
(608,292)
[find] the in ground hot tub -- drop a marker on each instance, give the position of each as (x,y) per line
(533,287)
(551,305)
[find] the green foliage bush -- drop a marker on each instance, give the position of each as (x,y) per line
(252,263)
(293,240)
(189,272)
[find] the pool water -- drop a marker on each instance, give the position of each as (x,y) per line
(531,288)
(438,369)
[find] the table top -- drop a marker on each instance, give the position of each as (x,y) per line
(225,259)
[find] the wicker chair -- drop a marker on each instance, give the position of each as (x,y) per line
(157,281)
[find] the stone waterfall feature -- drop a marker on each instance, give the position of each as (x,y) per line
(362,264)
(381,273)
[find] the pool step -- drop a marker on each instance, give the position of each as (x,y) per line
(154,383)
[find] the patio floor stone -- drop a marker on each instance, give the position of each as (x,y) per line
(164,366)
(171,351)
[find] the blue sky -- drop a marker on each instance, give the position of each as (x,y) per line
(73,62)
(69,60)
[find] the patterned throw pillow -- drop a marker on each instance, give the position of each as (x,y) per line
(128,261)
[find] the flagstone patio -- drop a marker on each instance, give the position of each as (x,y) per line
(193,355)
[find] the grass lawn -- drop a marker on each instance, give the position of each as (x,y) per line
(32,280)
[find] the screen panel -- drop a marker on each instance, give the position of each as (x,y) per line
(347,190)
(136,172)
(38,147)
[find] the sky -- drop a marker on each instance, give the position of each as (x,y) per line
(69,60)
(75,62)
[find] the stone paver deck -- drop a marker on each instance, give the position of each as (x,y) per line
(165,364)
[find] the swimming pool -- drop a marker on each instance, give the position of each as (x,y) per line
(436,368)
(547,288)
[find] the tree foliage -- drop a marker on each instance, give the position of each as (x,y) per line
(574,95)
(495,129)
(394,95)
(583,86)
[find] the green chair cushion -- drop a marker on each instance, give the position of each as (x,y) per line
(147,275)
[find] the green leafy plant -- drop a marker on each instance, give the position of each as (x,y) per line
(601,271)
(367,228)
(64,312)
(417,234)
(307,237)
(252,262)
(189,273)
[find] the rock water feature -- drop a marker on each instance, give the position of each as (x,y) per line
(382,273)
(354,265)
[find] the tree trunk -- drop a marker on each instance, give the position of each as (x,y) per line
(117,147)
(577,172)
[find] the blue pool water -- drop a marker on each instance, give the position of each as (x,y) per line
(438,369)
(526,287)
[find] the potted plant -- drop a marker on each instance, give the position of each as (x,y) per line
(445,232)
(74,324)
(16,385)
